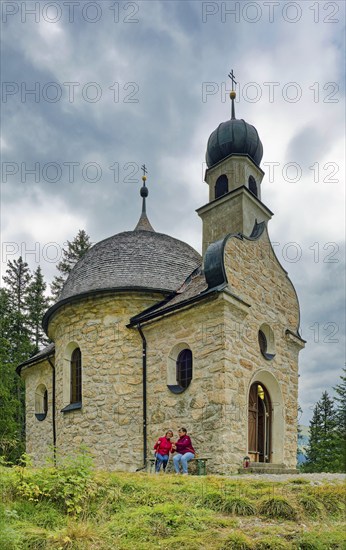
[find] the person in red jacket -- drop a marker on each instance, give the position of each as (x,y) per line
(184,450)
(163,447)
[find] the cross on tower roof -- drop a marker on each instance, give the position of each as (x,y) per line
(231,76)
(145,171)
(232,94)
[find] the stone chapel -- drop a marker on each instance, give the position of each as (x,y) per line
(148,335)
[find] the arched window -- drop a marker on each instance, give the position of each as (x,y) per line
(266,342)
(262,340)
(179,368)
(76,376)
(41,402)
(221,186)
(184,368)
(253,186)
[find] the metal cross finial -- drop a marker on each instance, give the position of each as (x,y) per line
(231,76)
(145,171)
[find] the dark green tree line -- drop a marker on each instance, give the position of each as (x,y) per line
(16,346)
(327,444)
(70,256)
(23,302)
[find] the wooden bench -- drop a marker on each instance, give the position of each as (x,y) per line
(200,461)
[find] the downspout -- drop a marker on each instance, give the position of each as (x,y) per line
(53,410)
(144,381)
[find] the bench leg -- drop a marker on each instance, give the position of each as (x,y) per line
(201,467)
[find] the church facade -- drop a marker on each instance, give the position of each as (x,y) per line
(149,336)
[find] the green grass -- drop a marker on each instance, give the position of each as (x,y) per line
(75,508)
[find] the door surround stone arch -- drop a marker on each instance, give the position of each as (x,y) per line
(272,386)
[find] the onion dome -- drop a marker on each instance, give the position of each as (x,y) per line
(234,137)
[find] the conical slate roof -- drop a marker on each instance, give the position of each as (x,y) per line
(132,259)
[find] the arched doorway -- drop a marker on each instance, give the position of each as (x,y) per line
(259,424)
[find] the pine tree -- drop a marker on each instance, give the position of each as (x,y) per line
(74,251)
(340,400)
(322,452)
(15,347)
(17,279)
(37,304)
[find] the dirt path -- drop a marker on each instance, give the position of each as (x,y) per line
(315,479)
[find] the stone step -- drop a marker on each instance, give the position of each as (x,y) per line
(263,465)
(257,470)
(274,469)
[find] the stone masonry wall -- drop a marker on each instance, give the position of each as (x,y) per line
(255,275)
(110,421)
(39,434)
(199,408)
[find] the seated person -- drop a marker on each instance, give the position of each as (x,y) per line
(184,450)
(163,447)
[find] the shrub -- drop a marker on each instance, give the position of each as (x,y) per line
(213,500)
(333,539)
(277,507)
(333,500)
(70,485)
(311,505)
(237,541)
(270,543)
(300,481)
(239,506)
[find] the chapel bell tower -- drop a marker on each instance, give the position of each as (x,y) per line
(234,176)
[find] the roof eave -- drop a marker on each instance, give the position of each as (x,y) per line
(83,295)
(33,361)
(139,319)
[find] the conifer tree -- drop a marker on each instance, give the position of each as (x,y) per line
(340,400)
(15,347)
(17,279)
(37,304)
(323,450)
(74,251)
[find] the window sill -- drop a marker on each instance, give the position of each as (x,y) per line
(40,416)
(72,407)
(268,356)
(176,388)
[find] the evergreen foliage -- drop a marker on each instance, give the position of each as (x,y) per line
(74,251)
(15,347)
(323,449)
(23,302)
(37,304)
(340,400)
(17,279)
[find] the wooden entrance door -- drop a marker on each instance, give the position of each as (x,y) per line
(259,424)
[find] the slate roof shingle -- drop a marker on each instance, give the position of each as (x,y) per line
(132,259)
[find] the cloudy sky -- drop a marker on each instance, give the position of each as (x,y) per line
(92,90)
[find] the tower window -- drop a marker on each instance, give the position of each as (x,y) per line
(266,342)
(262,340)
(76,376)
(221,186)
(253,186)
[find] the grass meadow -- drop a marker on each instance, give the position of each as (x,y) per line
(74,507)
